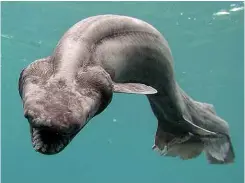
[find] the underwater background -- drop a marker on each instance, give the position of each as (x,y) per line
(207,42)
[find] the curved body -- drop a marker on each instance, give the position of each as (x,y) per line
(112,53)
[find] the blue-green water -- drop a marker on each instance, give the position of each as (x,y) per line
(115,147)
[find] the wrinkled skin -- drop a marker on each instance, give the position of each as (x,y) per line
(57,109)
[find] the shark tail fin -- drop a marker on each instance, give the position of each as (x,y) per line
(219,150)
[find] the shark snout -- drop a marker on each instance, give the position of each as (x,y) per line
(63,123)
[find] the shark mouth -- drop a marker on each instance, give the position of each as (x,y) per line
(48,141)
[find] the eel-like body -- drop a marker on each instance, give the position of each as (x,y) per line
(112,53)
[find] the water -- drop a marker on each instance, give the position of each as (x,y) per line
(115,147)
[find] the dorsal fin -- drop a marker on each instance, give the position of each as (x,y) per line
(209,107)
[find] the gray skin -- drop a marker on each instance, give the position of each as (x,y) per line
(105,54)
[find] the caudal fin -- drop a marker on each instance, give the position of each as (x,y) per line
(219,150)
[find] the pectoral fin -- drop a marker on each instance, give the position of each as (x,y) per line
(133,88)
